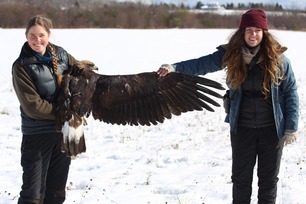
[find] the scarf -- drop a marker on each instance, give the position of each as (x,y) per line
(46,58)
(249,53)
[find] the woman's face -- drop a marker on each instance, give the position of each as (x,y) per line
(38,39)
(253,36)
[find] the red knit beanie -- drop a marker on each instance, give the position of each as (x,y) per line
(254,18)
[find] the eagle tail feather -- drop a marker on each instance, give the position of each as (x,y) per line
(73,142)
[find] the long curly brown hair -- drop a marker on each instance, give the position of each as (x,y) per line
(269,60)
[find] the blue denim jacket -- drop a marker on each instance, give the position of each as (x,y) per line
(285,99)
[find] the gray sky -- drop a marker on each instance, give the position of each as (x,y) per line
(301,4)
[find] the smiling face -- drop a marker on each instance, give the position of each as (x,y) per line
(38,38)
(253,36)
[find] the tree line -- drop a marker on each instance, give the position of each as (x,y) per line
(139,16)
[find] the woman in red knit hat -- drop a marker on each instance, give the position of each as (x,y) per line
(263,103)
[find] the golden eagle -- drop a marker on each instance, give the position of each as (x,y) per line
(140,99)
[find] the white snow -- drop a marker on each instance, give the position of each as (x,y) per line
(185,160)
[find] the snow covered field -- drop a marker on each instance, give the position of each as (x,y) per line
(186,160)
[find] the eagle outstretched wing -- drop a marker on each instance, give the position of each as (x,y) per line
(146,98)
(140,99)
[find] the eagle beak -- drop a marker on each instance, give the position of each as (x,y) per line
(95,68)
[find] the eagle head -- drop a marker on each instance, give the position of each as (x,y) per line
(86,64)
(82,67)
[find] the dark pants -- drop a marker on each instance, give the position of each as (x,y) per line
(45,169)
(247,145)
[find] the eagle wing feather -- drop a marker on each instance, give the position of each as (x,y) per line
(139,99)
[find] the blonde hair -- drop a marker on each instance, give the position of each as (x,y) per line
(59,76)
(270,61)
(46,23)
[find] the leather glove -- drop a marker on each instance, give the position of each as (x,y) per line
(165,69)
(290,136)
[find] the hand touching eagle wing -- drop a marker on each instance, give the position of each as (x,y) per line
(140,99)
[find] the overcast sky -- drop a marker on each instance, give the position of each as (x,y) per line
(301,4)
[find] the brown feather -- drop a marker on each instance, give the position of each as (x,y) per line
(140,99)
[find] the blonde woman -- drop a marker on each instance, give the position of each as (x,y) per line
(36,76)
(263,108)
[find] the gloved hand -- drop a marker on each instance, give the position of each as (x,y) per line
(290,136)
(165,69)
